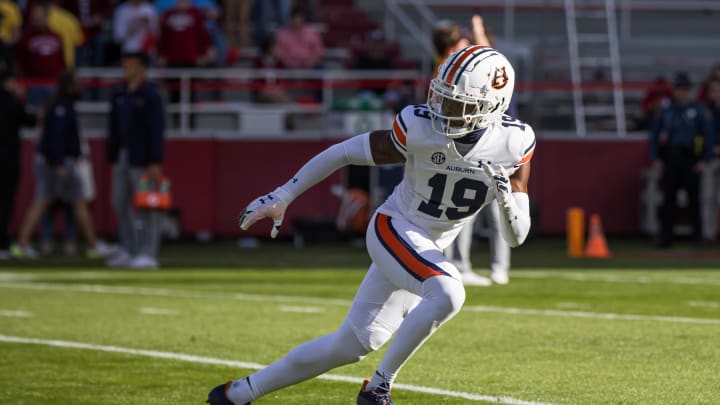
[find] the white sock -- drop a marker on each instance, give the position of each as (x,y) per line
(306,361)
(380,380)
(241,391)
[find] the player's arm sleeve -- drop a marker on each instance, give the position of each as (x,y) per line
(515,208)
(353,151)
(515,218)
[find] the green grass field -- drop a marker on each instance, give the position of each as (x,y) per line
(642,328)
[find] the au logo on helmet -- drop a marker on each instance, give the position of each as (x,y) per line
(500,78)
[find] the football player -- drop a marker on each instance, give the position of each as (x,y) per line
(460,153)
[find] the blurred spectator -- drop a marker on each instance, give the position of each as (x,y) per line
(10,22)
(211,13)
(268,90)
(13,116)
(56,174)
(374,55)
(83,168)
(704,86)
(299,46)
(261,13)
(184,40)
(657,97)
(92,15)
(681,143)
(67,27)
(135,148)
(135,26)
(39,56)
(449,37)
(236,22)
(710,187)
(7,66)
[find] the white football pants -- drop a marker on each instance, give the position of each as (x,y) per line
(410,290)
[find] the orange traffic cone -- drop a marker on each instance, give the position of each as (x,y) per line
(596,247)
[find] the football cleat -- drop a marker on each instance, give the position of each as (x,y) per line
(377,396)
(218,395)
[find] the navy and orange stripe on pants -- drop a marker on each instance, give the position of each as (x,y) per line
(409,259)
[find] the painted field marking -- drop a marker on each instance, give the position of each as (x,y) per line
(704,304)
(612,278)
(158,311)
(15,313)
(306,310)
(255,366)
(156,292)
(593,315)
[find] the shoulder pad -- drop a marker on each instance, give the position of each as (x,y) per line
(521,139)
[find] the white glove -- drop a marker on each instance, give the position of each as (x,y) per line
(271,205)
(502,189)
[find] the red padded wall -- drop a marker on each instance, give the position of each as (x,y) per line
(213,179)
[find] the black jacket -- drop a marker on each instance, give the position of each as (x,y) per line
(61,137)
(137,123)
(13,116)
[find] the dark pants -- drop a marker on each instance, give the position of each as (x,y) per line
(679,173)
(9,177)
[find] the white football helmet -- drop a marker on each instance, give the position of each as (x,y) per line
(473,87)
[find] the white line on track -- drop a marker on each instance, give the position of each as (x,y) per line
(704,304)
(101,289)
(158,311)
(160,292)
(255,366)
(614,278)
(306,310)
(15,313)
(594,315)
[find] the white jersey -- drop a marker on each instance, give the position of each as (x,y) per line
(442,189)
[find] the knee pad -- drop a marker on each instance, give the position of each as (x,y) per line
(447,295)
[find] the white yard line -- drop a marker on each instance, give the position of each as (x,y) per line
(305,310)
(160,292)
(158,311)
(593,315)
(255,366)
(15,313)
(704,304)
(157,292)
(613,278)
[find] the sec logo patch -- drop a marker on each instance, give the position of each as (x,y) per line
(438,158)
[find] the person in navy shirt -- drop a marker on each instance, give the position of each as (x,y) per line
(135,148)
(681,147)
(57,177)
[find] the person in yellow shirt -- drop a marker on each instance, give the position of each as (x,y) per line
(67,27)
(10,22)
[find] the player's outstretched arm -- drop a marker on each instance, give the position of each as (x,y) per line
(365,149)
(511,196)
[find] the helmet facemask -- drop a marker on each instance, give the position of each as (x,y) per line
(456,115)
